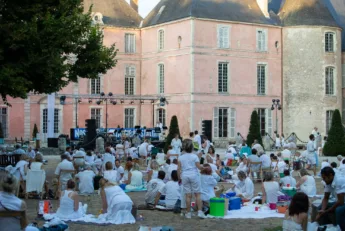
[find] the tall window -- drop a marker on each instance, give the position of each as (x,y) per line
(4,120)
(223,122)
(329,42)
(329,81)
(223,73)
(130,80)
(129,117)
(161,40)
(161,116)
(261,40)
(45,121)
(96,115)
(329,115)
(261,79)
(262,120)
(223,36)
(95,86)
(161,78)
(129,43)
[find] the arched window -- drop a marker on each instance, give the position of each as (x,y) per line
(161,39)
(161,115)
(329,80)
(329,42)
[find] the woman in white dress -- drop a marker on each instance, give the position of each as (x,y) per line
(296,217)
(208,182)
(69,207)
(135,179)
(176,144)
(270,189)
(153,172)
(307,183)
(116,205)
(211,155)
(110,174)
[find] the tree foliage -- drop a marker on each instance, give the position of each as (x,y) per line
(335,144)
(45,44)
(254,129)
(173,130)
(34,132)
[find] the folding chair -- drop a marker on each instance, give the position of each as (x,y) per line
(35,180)
(255,167)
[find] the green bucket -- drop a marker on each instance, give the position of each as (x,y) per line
(217,207)
(289,192)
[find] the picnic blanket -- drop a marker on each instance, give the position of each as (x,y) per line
(143,189)
(87,219)
(249,212)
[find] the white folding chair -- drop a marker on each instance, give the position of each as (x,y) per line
(35,180)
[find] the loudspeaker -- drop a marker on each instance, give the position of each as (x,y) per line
(53,142)
(91,134)
(207,129)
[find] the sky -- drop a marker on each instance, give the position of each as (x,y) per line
(145,6)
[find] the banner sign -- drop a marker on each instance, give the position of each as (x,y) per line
(76,133)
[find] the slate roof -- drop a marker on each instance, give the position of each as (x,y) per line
(115,12)
(228,10)
(306,13)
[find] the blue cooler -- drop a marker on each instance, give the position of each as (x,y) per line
(235,203)
(123,186)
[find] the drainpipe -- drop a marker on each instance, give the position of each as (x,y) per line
(282,79)
(140,66)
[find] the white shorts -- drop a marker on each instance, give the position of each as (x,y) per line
(143,154)
(311,160)
(191,183)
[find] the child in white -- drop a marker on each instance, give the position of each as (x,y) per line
(208,182)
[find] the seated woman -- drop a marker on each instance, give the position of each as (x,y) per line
(211,156)
(8,201)
(38,165)
(270,189)
(153,172)
(86,179)
(208,182)
(21,169)
(135,179)
(110,174)
(90,158)
(108,157)
(128,169)
(69,207)
(307,183)
(296,217)
(243,166)
(160,158)
(244,188)
(116,205)
(287,179)
(171,190)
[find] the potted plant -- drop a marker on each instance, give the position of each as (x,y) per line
(1,135)
(34,132)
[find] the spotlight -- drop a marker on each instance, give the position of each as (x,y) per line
(114,102)
(79,100)
(102,94)
(132,102)
(62,99)
(110,94)
(90,100)
(272,108)
(99,102)
(122,101)
(162,102)
(273,100)
(279,107)
(142,101)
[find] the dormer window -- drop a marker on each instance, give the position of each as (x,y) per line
(329,42)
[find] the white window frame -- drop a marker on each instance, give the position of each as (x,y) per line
(130,43)
(330,48)
(261,39)
(330,81)
(259,90)
(97,88)
(220,83)
(130,77)
(262,113)
(56,121)
(329,116)
(163,117)
(125,117)
(225,133)
(161,39)
(161,78)
(100,116)
(223,36)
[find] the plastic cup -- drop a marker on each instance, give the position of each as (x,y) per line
(256,209)
(193,204)
(288,185)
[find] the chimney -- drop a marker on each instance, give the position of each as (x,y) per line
(263,4)
(134,4)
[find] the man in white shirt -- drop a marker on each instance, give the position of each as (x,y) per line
(311,154)
(160,125)
(257,146)
(286,154)
(340,158)
(287,179)
(79,158)
(245,187)
(86,180)
(265,160)
(173,166)
(64,165)
(335,187)
(153,187)
(197,139)
(120,170)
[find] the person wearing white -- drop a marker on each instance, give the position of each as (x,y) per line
(127,146)
(21,167)
(311,153)
(286,154)
(215,173)
(176,144)
(173,166)
(160,158)
(341,159)
(153,172)
(64,165)
(265,160)
(208,182)
(231,149)
(172,154)
(282,140)
(90,158)
(171,190)
(110,174)
(243,166)
(160,125)
(245,187)
(197,139)
(206,144)
(257,146)
(135,178)
(86,180)
(70,208)
(31,153)
(120,171)
(81,160)
(144,149)
(307,183)
(188,169)
(287,180)
(116,204)
(270,189)
(108,157)
(19,150)
(278,142)
(120,150)
(153,187)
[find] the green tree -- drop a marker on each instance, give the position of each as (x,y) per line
(1,132)
(335,144)
(34,132)
(173,130)
(254,129)
(45,44)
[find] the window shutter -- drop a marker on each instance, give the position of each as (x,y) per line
(268,122)
(258,38)
(219,36)
(215,122)
(134,44)
(232,123)
(265,39)
(226,37)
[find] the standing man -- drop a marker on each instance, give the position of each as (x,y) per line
(311,154)
(335,186)
(197,139)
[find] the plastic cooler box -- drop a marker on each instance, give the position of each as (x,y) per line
(289,191)
(235,203)
(217,207)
